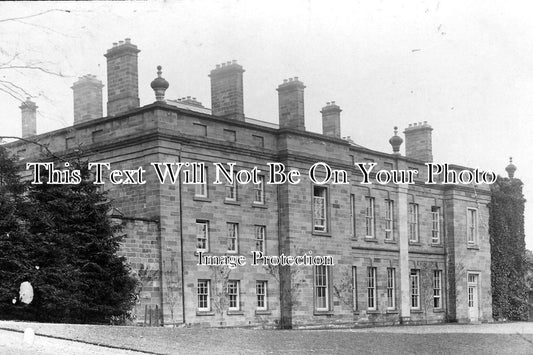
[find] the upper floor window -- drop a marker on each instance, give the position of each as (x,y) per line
(413,222)
(435,225)
(231,189)
(201,189)
(202,235)
(260,233)
(259,191)
(352,215)
(389,219)
(233,237)
(472,226)
(369,202)
(319,209)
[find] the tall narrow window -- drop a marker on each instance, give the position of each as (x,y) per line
(259,191)
(260,232)
(204,302)
(233,295)
(472,225)
(231,189)
(261,292)
(369,201)
(321,288)
(201,189)
(391,288)
(233,237)
(413,222)
(415,289)
(202,235)
(435,225)
(319,209)
(371,289)
(437,289)
(354,288)
(352,215)
(389,219)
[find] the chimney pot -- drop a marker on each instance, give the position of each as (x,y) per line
(29,118)
(87,96)
(331,120)
(418,142)
(291,104)
(122,79)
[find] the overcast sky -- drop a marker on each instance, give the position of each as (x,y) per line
(465,67)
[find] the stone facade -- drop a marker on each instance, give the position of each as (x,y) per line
(402,253)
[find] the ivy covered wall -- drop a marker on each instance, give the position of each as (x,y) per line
(508,252)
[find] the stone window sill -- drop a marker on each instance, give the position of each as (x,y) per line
(373,311)
(201,199)
(415,243)
(205,313)
(265,312)
(259,205)
(371,239)
(438,310)
(390,241)
(323,313)
(232,202)
(321,234)
(235,313)
(472,246)
(392,311)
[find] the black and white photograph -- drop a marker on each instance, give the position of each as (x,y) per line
(267,177)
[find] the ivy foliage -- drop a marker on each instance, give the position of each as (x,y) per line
(508,252)
(61,240)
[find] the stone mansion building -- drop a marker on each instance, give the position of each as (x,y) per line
(402,253)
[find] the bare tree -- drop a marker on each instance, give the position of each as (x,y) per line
(343,286)
(14,63)
(173,286)
(219,298)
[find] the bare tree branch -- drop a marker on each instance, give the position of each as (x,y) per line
(33,15)
(31,67)
(10,94)
(44,146)
(21,89)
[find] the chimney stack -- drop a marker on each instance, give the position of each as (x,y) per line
(418,142)
(87,93)
(227,90)
(331,120)
(291,104)
(29,118)
(122,78)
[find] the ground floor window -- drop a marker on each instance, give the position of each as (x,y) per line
(321,288)
(391,288)
(261,292)
(371,289)
(415,289)
(437,289)
(204,303)
(233,295)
